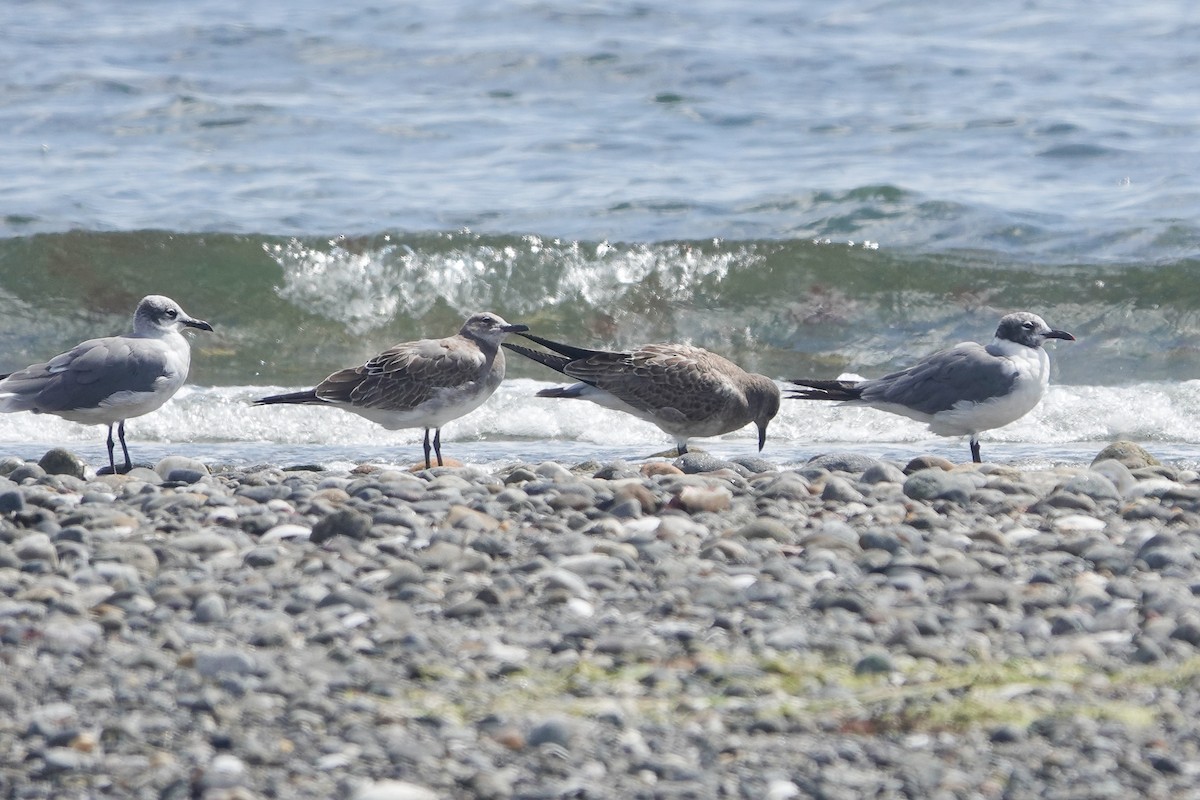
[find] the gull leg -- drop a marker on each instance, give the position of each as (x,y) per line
(437,445)
(428,463)
(682,448)
(124,447)
(975,451)
(112,465)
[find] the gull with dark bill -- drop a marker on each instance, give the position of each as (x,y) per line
(686,391)
(963,390)
(107,381)
(421,384)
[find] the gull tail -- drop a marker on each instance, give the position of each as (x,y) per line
(572,391)
(825,390)
(554,362)
(308,396)
(570,351)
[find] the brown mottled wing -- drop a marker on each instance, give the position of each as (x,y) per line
(405,376)
(670,381)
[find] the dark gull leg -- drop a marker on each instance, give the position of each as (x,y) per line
(975,451)
(437,445)
(124,447)
(683,448)
(111,464)
(428,463)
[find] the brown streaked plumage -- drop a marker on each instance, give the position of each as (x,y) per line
(686,391)
(421,384)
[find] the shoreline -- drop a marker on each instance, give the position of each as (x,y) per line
(616,630)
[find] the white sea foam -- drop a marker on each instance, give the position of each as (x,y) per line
(1070,423)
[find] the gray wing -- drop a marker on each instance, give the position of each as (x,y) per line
(407,375)
(938,382)
(87,375)
(661,379)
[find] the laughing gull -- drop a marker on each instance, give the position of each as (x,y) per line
(421,384)
(107,381)
(962,390)
(686,391)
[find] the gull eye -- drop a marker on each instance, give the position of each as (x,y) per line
(172,313)
(1028,326)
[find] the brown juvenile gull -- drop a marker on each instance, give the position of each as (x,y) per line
(686,391)
(962,390)
(421,384)
(107,381)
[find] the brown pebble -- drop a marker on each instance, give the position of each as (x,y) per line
(446,462)
(333,496)
(695,498)
(927,462)
(653,468)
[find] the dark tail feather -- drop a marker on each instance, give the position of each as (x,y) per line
(554,362)
(308,396)
(560,391)
(570,351)
(825,390)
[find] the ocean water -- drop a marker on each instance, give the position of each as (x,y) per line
(842,187)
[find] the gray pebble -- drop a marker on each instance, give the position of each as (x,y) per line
(694,462)
(182,464)
(27,472)
(555,731)
(874,664)
(226,661)
(210,608)
(882,472)
(766,528)
(34,547)
(1093,484)
(853,463)
(937,484)
(755,465)
(11,501)
(840,490)
(344,522)
(788,486)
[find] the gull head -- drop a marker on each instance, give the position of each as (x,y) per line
(157,314)
(762,397)
(1028,329)
(489,327)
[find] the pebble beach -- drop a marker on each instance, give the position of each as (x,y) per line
(690,628)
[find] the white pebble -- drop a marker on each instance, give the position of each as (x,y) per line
(1078,522)
(394,790)
(287,530)
(224,771)
(580,607)
(782,790)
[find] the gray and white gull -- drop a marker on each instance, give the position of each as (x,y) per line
(421,384)
(686,391)
(963,390)
(107,381)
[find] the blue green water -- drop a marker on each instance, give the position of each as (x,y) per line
(805,189)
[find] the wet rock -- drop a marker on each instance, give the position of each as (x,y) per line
(1128,454)
(853,463)
(63,462)
(344,522)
